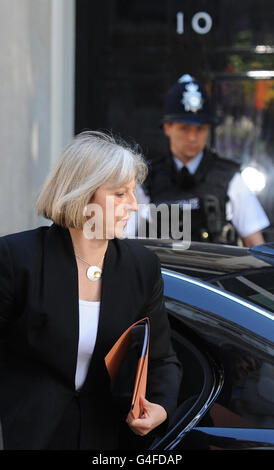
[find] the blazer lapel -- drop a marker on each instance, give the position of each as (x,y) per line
(116,312)
(113,298)
(60,301)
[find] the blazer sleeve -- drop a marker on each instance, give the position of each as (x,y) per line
(7,297)
(164,369)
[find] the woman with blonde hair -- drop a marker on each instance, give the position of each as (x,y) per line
(67,293)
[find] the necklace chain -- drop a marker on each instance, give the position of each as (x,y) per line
(82,259)
(93,273)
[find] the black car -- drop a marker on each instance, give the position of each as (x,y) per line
(220,301)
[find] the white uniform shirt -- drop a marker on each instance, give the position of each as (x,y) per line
(243,208)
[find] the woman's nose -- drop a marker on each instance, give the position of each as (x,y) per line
(133,203)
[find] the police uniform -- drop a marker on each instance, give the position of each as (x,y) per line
(205,191)
(239,198)
(210,184)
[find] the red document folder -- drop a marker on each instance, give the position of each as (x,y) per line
(118,352)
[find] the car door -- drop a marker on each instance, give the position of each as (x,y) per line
(226,349)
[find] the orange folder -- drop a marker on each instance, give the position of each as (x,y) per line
(116,355)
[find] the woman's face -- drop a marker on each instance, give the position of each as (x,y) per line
(109,210)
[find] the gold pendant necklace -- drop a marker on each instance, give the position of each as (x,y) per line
(93,273)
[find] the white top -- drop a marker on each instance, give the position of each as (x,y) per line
(243,208)
(88,326)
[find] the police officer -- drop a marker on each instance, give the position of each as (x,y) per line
(222,205)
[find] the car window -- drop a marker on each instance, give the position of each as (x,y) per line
(255,286)
(247,396)
(252,390)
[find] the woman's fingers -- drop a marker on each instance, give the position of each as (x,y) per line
(153,415)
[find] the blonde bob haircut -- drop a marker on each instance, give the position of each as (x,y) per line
(90,160)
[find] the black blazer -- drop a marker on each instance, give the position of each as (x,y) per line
(39,336)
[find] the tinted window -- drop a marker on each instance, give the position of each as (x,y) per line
(256,286)
(252,390)
(247,396)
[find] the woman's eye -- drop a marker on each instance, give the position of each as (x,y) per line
(120,194)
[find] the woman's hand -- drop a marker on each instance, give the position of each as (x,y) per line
(153,415)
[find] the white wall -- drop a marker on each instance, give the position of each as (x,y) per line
(36,101)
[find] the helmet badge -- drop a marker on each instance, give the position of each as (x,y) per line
(192,98)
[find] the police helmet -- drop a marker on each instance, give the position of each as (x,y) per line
(187,101)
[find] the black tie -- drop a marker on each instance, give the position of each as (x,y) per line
(185,179)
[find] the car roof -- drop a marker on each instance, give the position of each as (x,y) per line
(240,271)
(210,259)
